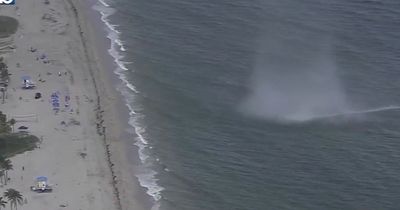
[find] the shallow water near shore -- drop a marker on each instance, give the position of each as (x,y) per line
(261,105)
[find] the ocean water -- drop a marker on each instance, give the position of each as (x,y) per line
(257,105)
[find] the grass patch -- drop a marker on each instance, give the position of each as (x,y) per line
(15,143)
(8,26)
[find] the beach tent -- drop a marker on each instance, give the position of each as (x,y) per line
(41,182)
(25,78)
(41,179)
(27,82)
(41,185)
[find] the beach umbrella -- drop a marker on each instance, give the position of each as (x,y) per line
(41,179)
(26,78)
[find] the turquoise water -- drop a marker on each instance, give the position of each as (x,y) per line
(262,104)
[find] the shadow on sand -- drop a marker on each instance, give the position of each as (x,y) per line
(8,25)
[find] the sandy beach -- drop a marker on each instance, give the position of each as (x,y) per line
(81,151)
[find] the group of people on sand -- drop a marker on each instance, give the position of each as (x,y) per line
(42,57)
(55,96)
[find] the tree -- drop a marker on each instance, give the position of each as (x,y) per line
(2,64)
(1,175)
(3,69)
(4,126)
(2,203)
(14,197)
(6,165)
(12,123)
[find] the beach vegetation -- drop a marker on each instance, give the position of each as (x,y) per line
(2,203)
(12,123)
(4,77)
(2,174)
(4,125)
(16,143)
(14,197)
(3,70)
(5,166)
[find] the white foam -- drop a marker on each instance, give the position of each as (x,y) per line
(127,84)
(140,131)
(104,3)
(121,45)
(147,176)
(105,12)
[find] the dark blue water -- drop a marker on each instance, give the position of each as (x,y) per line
(253,105)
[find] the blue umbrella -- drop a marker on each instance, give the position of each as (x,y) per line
(26,78)
(41,179)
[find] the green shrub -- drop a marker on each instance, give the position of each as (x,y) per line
(11,144)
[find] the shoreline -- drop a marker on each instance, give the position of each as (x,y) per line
(113,113)
(101,130)
(105,104)
(115,59)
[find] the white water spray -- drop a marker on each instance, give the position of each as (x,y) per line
(294,84)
